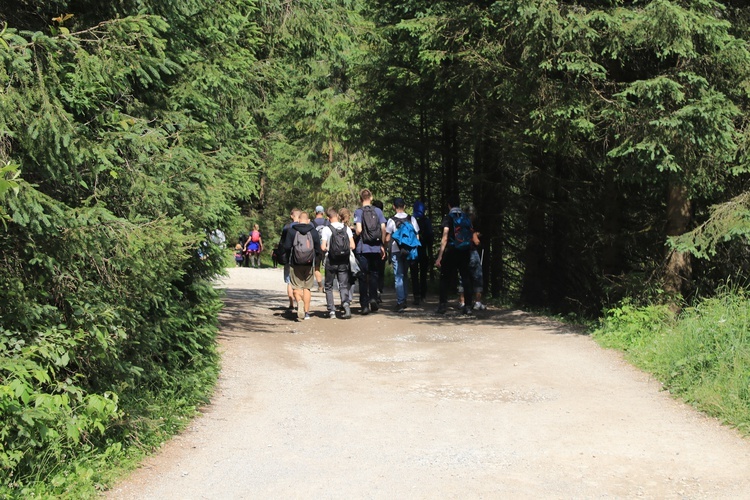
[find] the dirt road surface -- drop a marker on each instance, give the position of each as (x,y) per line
(417,405)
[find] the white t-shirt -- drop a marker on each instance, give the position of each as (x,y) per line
(390,226)
(326,233)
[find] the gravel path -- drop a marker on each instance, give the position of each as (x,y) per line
(506,405)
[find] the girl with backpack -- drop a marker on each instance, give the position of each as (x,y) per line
(254,246)
(345,216)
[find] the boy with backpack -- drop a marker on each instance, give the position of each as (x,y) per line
(370,227)
(454,254)
(402,239)
(283,257)
(381,263)
(302,244)
(338,241)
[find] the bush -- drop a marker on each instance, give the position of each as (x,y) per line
(703,355)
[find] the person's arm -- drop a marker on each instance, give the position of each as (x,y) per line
(316,241)
(358,222)
(383,235)
(443,244)
(389,227)
(352,244)
(324,237)
(260,242)
(289,240)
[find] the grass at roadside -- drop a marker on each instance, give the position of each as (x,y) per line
(702,355)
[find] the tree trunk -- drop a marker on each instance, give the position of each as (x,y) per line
(535,276)
(612,260)
(678,271)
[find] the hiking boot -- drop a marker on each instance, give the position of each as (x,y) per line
(374,305)
(401,307)
(347,311)
(332,314)
(442,308)
(365,310)
(300,310)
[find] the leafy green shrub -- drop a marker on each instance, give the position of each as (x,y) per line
(123,143)
(630,327)
(703,355)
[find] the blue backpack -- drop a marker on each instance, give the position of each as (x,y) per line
(460,239)
(406,238)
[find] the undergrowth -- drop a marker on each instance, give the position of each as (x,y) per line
(701,355)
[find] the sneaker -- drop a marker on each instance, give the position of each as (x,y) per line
(307,316)
(300,310)
(332,314)
(478,306)
(442,308)
(365,310)
(461,305)
(374,305)
(378,298)
(401,307)
(347,311)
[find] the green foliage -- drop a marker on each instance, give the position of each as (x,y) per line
(702,356)
(135,139)
(728,221)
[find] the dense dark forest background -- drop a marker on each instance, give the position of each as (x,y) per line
(604,145)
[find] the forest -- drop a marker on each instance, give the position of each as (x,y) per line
(603,144)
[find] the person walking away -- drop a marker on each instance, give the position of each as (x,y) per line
(337,241)
(370,227)
(420,268)
(254,246)
(302,244)
(475,265)
(400,241)
(238,255)
(454,253)
(345,216)
(242,241)
(319,222)
(381,264)
(283,257)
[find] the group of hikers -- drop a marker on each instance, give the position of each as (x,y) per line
(357,246)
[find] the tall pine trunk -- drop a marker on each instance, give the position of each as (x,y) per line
(678,269)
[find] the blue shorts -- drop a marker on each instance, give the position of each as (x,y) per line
(475,268)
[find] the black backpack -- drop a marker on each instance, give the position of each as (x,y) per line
(303,248)
(371,234)
(338,246)
(425,230)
